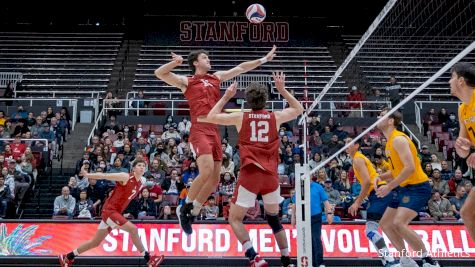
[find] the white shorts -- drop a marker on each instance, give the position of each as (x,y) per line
(246,199)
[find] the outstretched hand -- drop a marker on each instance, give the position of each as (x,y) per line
(279,80)
(270,56)
(231,91)
(178,59)
(83,171)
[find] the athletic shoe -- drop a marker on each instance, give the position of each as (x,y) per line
(185,218)
(429,262)
(410,263)
(285,260)
(155,260)
(258,262)
(64,261)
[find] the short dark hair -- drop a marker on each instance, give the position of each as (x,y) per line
(396,116)
(137,161)
(256,96)
(465,70)
(193,56)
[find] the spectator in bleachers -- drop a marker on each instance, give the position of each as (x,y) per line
(468,186)
(184,126)
(48,135)
(334,145)
(171,133)
(119,142)
(22,181)
(19,114)
(451,125)
(192,172)
(49,114)
(457,180)
(154,189)
(169,122)
(184,191)
(43,115)
(327,135)
(96,194)
(315,142)
(17,147)
(227,147)
(84,206)
(315,125)
(435,162)
(440,207)
(446,173)
(342,183)
(429,119)
(9,181)
(425,155)
(288,157)
(83,182)
(322,176)
(157,171)
(284,142)
(141,143)
(8,152)
(26,165)
(394,91)
(112,104)
(64,204)
(458,200)
(342,135)
(286,205)
(37,128)
(2,117)
(314,161)
(443,116)
(138,103)
(166,214)
(354,102)
(332,124)
(438,184)
(428,169)
(333,195)
(73,187)
(227,186)
(147,205)
(5,197)
(85,156)
(227,164)
(184,145)
(132,210)
(344,160)
(20,128)
(211,210)
(30,120)
(9,93)
(65,118)
(172,185)
(3,132)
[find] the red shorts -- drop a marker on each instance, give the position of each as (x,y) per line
(253,181)
(205,141)
(111,220)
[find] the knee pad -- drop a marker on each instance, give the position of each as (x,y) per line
(274,223)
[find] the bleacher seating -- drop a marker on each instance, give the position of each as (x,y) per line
(320,65)
(60,61)
(412,62)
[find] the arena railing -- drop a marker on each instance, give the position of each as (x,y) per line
(411,135)
(6,77)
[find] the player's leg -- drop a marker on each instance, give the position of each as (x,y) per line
(243,200)
(388,227)
(134,235)
(208,188)
(468,213)
(205,164)
(68,259)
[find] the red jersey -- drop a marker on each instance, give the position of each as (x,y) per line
(202,93)
(122,194)
(259,141)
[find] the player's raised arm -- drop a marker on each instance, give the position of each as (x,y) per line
(165,73)
(121,177)
(294,109)
(245,66)
(217,117)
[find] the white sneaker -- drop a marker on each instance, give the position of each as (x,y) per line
(321,265)
(410,263)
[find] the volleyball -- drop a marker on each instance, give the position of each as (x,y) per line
(256,13)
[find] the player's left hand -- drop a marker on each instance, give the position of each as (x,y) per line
(353,209)
(270,56)
(383,191)
(471,160)
(279,80)
(231,91)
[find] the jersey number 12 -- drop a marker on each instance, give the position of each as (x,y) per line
(259,132)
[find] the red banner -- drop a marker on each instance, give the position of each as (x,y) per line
(215,240)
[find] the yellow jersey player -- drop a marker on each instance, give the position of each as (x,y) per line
(462,85)
(366,175)
(407,177)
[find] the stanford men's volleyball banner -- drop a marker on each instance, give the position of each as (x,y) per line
(214,240)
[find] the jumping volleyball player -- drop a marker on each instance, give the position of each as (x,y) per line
(366,175)
(127,186)
(462,85)
(202,92)
(258,145)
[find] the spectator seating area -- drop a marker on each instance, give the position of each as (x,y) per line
(60,61)
(412,61)
(320,65)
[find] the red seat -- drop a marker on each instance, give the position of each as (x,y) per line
(284,179)
(60,217)
(156,128)
(172,199)
(435,128)
(183,109)
(159,109)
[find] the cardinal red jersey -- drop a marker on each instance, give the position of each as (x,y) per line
(258,140)
(202,93)
(121,195)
